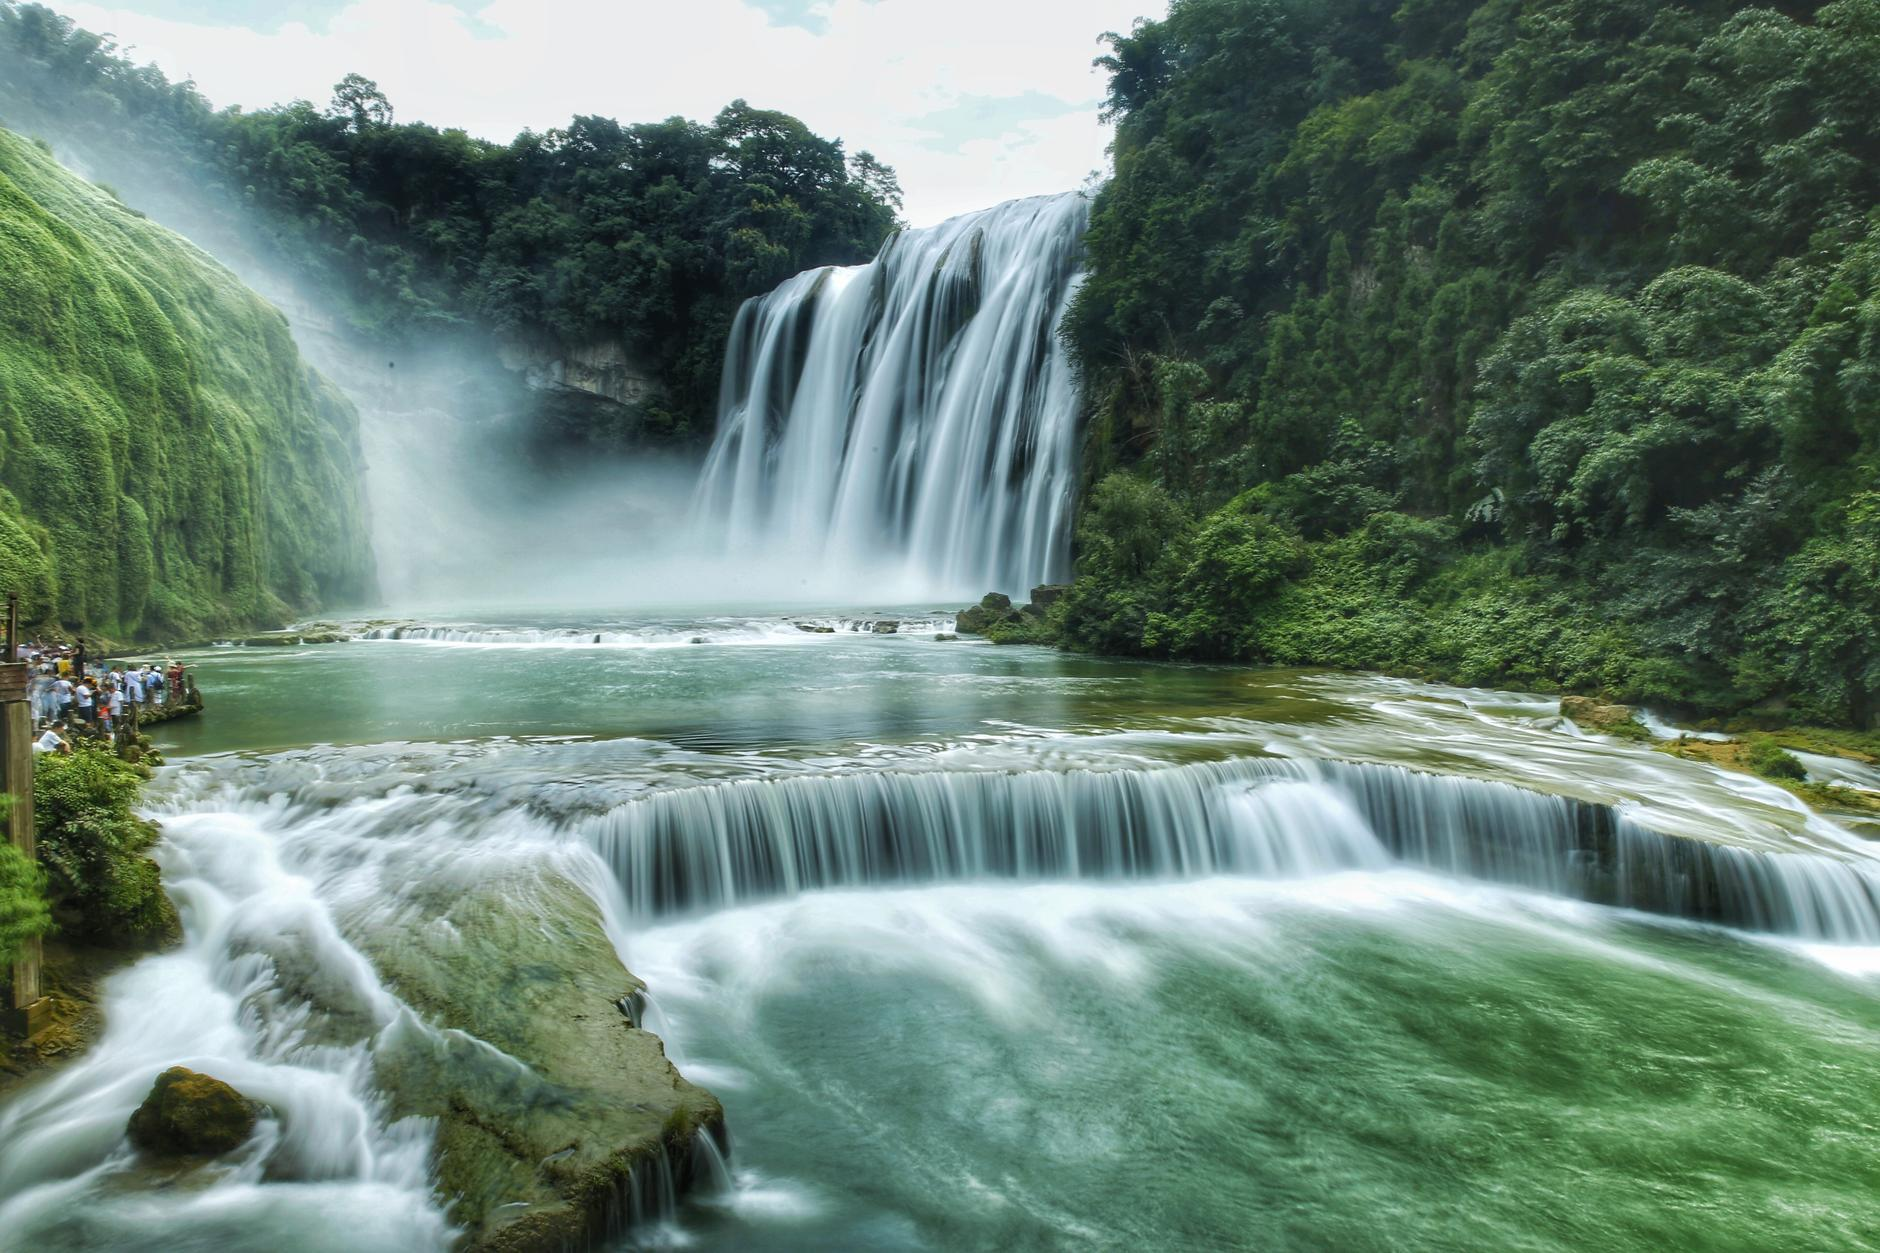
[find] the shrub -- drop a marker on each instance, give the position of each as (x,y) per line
(23,909)
(93,847)
(1771,761)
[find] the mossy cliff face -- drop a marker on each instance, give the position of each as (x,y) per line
(168,464)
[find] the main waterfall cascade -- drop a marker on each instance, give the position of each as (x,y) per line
(911,422)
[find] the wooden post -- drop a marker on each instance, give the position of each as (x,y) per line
(28,1011)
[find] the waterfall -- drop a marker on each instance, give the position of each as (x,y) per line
(911,420)
(719,845)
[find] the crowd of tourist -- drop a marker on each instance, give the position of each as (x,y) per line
(74,696)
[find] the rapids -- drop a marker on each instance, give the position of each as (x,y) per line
(992,947)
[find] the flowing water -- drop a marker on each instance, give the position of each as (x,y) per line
(992,948)
(910,424)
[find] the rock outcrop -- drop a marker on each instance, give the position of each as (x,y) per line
(603,370)
(191,1115)
(995,608)
(1590,715)
(997,617)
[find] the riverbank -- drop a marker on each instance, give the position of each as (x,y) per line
(72,977)
(1758,744)
(487,1027)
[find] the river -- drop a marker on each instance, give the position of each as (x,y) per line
(995,948)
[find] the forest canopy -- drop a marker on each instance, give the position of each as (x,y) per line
(648,234)
(1532,342)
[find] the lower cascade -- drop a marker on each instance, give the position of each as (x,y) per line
(720,845)
(912,418)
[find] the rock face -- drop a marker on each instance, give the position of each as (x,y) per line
(559,1107)
(604,370)
(1042,598)
(191,1115)
(887,628)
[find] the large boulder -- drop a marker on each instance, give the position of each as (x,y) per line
(191,1115)
(551,1103)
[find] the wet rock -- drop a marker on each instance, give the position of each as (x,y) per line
(1590,715)
(813,629)
(191,1115)
(887,628)
(945,638)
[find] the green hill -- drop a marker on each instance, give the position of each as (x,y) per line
(1520,342)
(168,464)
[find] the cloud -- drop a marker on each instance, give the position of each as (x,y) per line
(973,101)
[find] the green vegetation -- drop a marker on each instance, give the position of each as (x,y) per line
(650,235)
(167,463)
(1522,341)
(95,849)
(23,909)
(1768,759)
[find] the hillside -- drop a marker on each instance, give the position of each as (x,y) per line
(1527,342)
(600,261)
(168,465)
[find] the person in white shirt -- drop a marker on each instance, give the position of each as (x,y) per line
(45,697)
(133,688)
(62,696)
(82,698)
(52,741)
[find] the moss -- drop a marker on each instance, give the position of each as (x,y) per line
(191,1115)
(169,463)
(1771,761)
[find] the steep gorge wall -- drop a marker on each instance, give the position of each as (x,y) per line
(168,463)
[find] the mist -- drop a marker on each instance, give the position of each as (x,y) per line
(915,450)
(466,508)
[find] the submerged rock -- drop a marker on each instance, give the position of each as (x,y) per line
(945,638)
(191,1115)
(813,629)
(887,628)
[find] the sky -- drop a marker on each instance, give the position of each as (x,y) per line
(972,101)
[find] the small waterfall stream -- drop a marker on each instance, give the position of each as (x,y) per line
(718,846)
(912,419)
